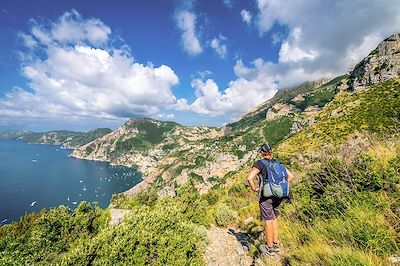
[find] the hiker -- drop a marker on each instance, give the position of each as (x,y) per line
(270,195)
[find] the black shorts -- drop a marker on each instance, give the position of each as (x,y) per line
(269,208)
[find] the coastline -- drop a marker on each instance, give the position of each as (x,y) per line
(146,180)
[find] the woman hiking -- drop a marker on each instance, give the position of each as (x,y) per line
(270,195)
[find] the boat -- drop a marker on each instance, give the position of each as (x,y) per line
(2,222)
(34,161)
(68,198)
(74,202)
(33,203)
(80,181)
(84,188)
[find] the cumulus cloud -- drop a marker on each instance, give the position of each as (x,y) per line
(332,35)
(321,39)
(186,21)
(219,46)
(74,72)
(164,116)
(246,16)
(241,94)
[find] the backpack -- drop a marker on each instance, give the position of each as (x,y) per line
(277,185)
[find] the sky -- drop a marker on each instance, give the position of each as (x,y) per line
(80,65)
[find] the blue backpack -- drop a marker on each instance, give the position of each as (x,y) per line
(277,185)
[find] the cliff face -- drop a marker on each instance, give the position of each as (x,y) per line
(380,65)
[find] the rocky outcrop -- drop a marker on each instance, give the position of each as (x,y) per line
(227,247)
(380,65)
(117,216)
(278,110)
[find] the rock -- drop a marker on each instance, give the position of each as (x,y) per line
(248,220)
(225,249)
(117,216)
(394,259)
(380,65)
(167,191)
(278,110)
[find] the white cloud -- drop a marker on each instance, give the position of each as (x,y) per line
(75,73)
(241,95)
(291,51)
(327,34)
(246,16)
(71,28)
(164,116)
(325,39)
(218,45)
(186,21)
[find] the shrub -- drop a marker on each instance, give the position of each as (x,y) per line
(224,215)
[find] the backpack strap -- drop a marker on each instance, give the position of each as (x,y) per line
(268,166)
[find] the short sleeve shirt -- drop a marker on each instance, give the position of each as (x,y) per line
(262,168)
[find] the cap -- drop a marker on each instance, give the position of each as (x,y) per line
(265,148)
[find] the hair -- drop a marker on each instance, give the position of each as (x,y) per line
(266,153)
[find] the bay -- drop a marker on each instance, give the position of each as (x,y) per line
(35,176)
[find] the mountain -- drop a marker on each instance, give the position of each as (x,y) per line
(340,137)
(206,155)
(13,134)
(68,139)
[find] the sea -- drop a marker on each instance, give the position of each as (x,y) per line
(36,176)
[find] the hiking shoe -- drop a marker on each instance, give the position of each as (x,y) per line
(276,246)
(265,250)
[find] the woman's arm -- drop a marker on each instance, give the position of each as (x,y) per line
(253,173)
(290,175)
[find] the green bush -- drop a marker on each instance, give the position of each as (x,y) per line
(224,215)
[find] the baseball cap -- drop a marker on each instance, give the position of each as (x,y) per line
(265,147)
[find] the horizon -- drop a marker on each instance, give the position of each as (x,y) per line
(73,65)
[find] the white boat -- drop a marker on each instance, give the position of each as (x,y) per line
(33,203)
(84,188)
(74,202)
(80,194)
(34,161)
(68,198)
(80,181)
(5,220)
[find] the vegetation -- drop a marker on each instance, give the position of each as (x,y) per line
(157,232)
(149,133)
(373,110)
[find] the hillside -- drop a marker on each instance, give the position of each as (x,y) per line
(206,155)
(68,139)
(340,136)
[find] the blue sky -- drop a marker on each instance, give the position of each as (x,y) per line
(84,64)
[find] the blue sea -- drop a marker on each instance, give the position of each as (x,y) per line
(34,176)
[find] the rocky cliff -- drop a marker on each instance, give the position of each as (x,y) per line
(380,65)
